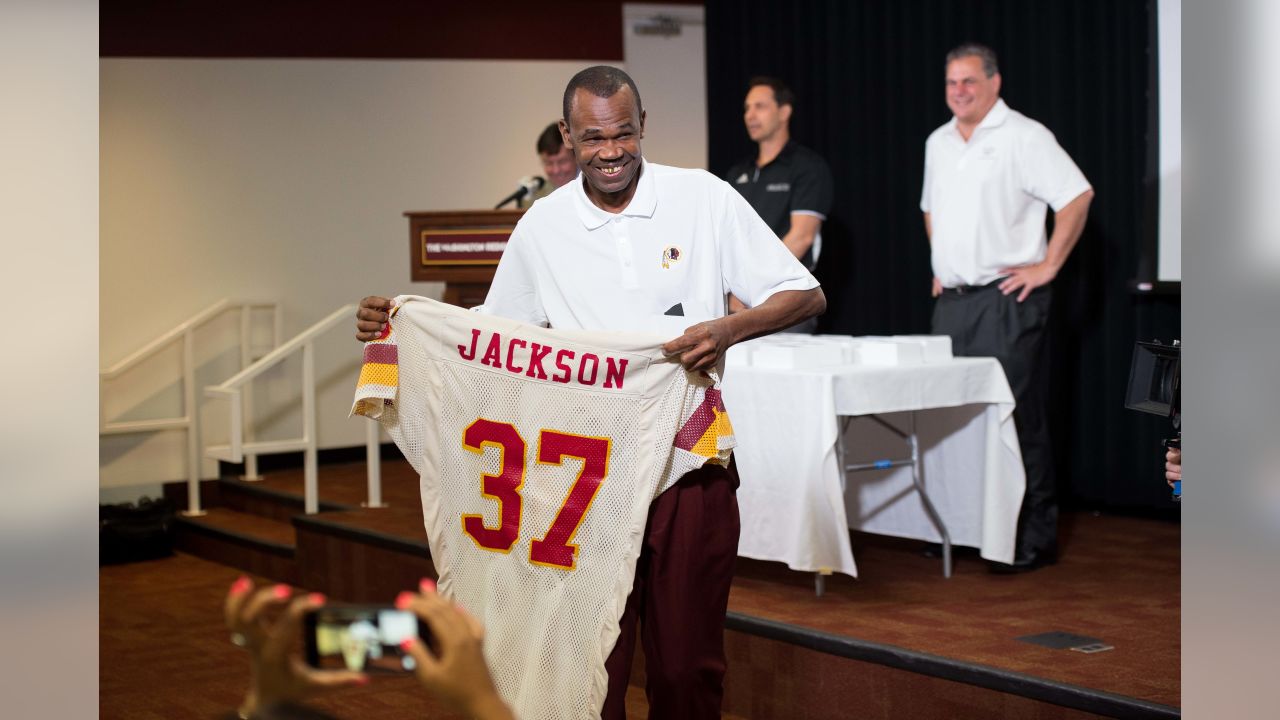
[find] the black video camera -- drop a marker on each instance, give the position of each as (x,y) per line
(1155,387)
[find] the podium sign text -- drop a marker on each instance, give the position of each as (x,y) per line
(481,246)
(460,248)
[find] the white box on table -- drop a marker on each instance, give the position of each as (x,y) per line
(847,343)
(880,350)
(795,355)
(934,348)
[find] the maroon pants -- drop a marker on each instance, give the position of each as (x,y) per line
(679,599)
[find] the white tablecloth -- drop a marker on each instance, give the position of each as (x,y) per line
(792,505)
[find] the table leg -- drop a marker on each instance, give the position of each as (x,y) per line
(840,452)
(916,479)
(914,461)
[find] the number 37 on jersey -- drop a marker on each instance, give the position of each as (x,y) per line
(554,547)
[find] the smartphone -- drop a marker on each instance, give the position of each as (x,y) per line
(363,638)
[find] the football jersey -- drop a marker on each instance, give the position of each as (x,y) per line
(539,453)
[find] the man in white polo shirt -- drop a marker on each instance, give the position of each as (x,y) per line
(989,175)
(636,246)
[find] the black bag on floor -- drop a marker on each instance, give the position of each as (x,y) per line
(129,532)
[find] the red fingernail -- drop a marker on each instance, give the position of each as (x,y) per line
(241,585)
(427,585)
(281,591)
(406,644)
(316,598)
(403,600)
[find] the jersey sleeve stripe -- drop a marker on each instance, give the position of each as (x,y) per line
(384,353)
(379,374)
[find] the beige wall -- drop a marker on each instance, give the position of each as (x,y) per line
(671,74)
(285,180)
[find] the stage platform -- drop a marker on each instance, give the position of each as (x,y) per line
(900,642)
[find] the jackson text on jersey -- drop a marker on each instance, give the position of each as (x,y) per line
(543,362)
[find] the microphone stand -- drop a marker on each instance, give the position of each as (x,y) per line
(527,186)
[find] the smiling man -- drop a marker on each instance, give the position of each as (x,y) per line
(635,246)
(989,176)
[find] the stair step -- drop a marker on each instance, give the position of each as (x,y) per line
(342,486)
(348,551)
(345,484)
(252,543)
(270,498)
(271,535)
(397,529)
(364,555)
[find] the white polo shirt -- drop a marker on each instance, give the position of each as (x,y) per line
(986,197)
(686,239)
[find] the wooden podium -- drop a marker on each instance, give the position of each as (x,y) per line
(460,248)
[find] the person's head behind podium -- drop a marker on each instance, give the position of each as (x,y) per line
(557,160)
(603,124)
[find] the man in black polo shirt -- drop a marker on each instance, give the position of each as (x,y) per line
(788,184)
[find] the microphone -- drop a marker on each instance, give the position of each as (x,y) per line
(528,185)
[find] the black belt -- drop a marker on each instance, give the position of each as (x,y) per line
(965,289)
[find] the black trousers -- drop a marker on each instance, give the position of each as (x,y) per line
(985,322)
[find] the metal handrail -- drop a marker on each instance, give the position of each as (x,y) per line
(190,418)
(235,387)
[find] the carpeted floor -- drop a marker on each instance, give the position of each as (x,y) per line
(1118,581)
(164,653)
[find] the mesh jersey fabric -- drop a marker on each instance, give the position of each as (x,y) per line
(539,452)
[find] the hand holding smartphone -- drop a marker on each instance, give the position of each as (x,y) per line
(361,638)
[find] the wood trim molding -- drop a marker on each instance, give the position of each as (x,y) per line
(385,29)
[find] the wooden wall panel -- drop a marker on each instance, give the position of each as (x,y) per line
(559,30)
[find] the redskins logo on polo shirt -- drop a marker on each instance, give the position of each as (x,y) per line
(670,255)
